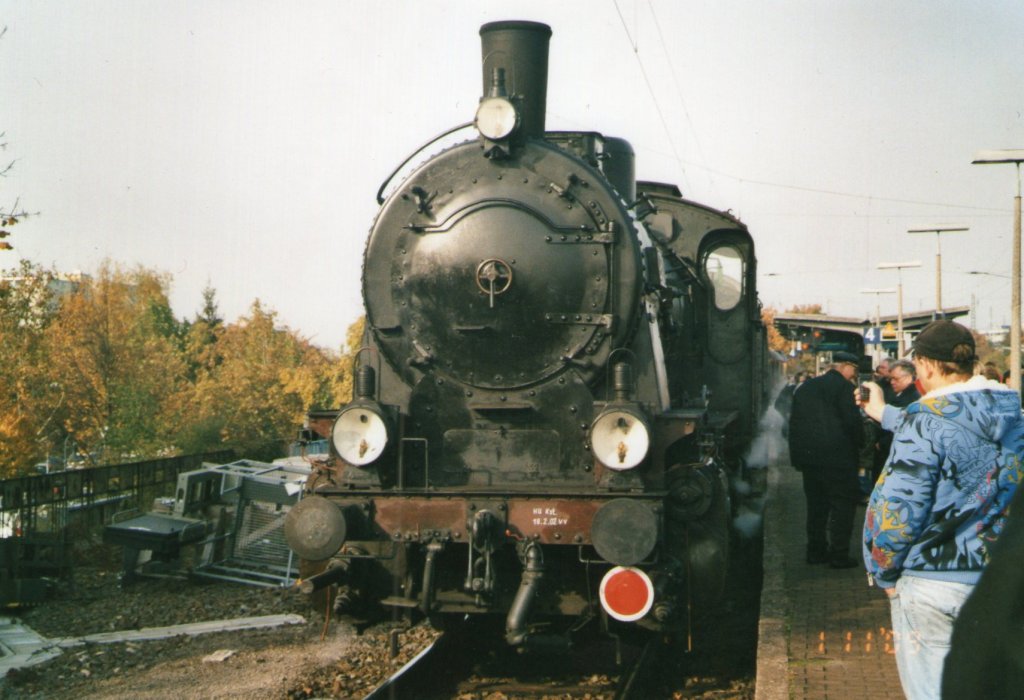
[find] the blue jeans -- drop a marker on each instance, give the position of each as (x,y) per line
(923,612)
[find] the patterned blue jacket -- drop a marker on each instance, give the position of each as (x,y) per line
(944,494)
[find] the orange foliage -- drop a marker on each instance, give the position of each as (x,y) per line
(775,339)
(100,369)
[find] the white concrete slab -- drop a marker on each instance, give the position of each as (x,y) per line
(191,629)
(20,646)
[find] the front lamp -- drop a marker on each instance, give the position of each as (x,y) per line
(360,434)
(620,438)
(496,118)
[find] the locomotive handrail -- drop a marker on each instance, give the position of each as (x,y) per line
(387,180)
(594,234)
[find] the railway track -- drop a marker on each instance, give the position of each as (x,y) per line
(472,662)
(445,669)
(422,671)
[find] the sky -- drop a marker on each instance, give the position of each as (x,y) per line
(241,144)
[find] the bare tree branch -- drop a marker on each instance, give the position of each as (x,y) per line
(14,213)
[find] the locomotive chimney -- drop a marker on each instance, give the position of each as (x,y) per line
(518,51)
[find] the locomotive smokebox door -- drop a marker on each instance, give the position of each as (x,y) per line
(506,283)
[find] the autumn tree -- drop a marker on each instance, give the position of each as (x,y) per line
(811,309)
(29,402)
(343,387)
(114,350)
(255,396)
(779,343)
(202,333)
(776,341)
(101,366)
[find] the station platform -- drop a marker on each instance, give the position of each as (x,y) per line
(823,632)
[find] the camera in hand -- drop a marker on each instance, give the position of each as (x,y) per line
(865,393)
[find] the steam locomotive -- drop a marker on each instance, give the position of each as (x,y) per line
(561,372)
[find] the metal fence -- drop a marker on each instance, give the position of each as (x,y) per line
(47,503)
(41,514)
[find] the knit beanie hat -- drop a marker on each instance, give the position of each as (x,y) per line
(945,341)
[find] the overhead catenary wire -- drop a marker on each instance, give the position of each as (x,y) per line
(650,88)
(836,193)
(678,89)
(873,208)
(683,163)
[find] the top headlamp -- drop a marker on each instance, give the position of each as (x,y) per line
(360,434)
(496,118)
(620,438)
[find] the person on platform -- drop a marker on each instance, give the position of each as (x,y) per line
(784,401)
(942,499)
(992,372)
(882,376)
(825,433)
(902,378)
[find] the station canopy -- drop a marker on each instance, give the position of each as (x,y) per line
(842,331)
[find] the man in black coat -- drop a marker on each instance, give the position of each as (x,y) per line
(825,433)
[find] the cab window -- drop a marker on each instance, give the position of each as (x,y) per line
(724,269)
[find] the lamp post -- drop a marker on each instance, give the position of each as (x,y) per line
(986,274)
(1015,156)
(899,266)
(878,316)
(938,231)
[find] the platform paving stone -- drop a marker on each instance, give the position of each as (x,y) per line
(824,633)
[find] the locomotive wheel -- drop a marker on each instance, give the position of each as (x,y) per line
(708,541)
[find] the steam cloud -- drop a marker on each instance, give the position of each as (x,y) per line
(767,448)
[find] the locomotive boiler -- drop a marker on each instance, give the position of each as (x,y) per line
(560,374)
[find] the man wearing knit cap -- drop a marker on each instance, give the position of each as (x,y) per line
(942,499)
(825,433)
